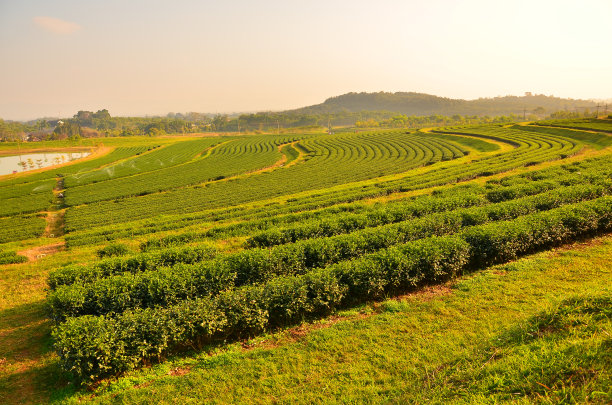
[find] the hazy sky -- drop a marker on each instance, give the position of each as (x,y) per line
(151,57)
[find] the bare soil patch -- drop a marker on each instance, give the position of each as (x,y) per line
(39,252)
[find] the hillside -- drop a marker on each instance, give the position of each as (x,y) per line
(426,104)
(412,266)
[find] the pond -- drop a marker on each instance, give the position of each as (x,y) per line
(32,161)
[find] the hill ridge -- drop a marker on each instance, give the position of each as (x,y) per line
(413,103)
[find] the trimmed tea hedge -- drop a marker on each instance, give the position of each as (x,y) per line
(138,263)
(171,285)
(9,257)
(92,347)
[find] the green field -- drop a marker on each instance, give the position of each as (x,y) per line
(446,265)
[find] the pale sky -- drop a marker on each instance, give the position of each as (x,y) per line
(142,57)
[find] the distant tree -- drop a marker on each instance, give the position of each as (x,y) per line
(84,117)
(219,122)
(102,115)
(69,129)
(371,123)
(129,132)
(42,124)
(155,131)
(102,125)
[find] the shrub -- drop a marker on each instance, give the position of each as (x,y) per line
(93,347)
(115,249)
(133,264)
(166,286)
(11,258)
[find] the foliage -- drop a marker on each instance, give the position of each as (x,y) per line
(341,158)
(152,159)
(21,227)
(232,157)
(92,347)
(69,129)
(292,214)
(596,140)
(9,257)
(165,286)
(132,264)
(114,249)
(426,104)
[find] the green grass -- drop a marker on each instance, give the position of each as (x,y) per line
(561,355)
(420,348)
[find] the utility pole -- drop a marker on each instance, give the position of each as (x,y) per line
(524,113)
(238,121)
(277,127)
(597,113)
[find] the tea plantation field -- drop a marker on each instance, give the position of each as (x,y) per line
(423,266)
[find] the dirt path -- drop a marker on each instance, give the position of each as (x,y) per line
(55,215)
(54,228)
(5,152)
(55,224)
(39,252)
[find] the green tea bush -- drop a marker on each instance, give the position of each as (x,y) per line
(114,249)
(170,285)
(134,264)
(11,258)
(92,347)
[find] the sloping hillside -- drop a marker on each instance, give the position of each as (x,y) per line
(426,104)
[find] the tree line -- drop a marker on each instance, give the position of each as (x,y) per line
(102,124)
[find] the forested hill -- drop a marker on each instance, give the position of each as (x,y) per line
(426,104)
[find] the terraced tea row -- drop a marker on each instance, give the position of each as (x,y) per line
(307,203)
(166,156)
(79,167)
(163,287)
(563,182)
(595,140)
(312,241)
(34,193)
(10,257)
(586,124)
(325,164)
(27,189)
(230,158)
(95,346)
(273,228)
(330,161)
(21,227)
(530,149)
